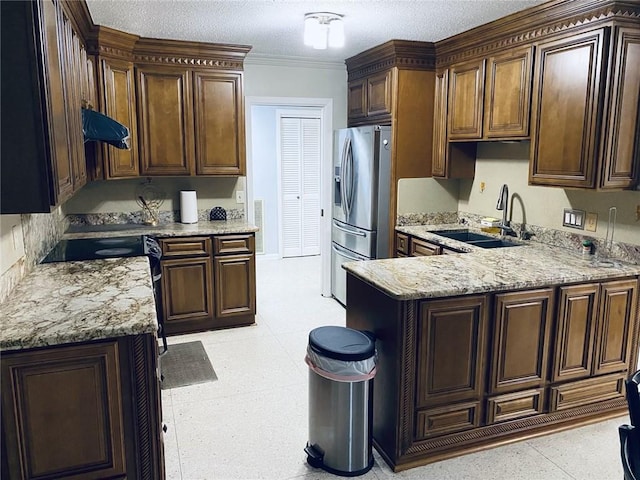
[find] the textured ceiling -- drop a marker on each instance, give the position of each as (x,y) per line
(275,27)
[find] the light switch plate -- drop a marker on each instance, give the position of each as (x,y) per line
(573,218)
(591,222)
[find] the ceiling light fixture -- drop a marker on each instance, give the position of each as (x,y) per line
(322,29)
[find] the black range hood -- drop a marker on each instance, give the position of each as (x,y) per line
(98,127)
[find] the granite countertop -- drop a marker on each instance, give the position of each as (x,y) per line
(60,303)
(479,270)
(218,227)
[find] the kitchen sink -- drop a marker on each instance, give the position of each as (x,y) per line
(493,243)
(477,239)
(464,236)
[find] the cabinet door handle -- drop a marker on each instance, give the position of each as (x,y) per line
(164,427)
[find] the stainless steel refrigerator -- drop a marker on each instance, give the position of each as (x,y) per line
(361,192)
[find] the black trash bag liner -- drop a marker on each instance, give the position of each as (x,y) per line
(99,127)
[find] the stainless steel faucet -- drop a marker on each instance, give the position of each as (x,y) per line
(503,204)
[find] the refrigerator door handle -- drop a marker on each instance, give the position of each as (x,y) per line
(349,177)
(358,233)
(345,253)
(343,198)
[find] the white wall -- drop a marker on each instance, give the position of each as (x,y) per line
(11,241)
(265,172)
(499,163)
(120,195)
(281,77)
(427,195)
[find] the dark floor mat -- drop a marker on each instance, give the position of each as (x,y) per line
(186,364)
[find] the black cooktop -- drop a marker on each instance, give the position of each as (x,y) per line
(96,248)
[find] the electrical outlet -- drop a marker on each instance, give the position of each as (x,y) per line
(591,222)
(240,196)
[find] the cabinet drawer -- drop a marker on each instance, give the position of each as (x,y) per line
(420,248)
(233,244)
(515,405)
(402,244)
(449,419)
(185,246)
(583,392)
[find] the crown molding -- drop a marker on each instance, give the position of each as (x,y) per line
(531,25)
(403,54)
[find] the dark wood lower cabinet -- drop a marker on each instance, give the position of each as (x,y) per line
(85,411)
(208,282)
(459,374)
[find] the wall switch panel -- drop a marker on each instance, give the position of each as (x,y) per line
(591,222)
(574,218)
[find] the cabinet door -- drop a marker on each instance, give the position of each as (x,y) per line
(165,123)
(577,316)
(71,70)
(379,94)
(451,350)
(466,96)
(56,111)
(235,285)
(520,340)
(187,292)
(402,244)
(357,98)
(565,110)
(219,124)
(622,156)
(62,413)
(616,324)
(508,98)
(119,103)
(439,156)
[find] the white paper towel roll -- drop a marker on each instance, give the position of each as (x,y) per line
(188,206)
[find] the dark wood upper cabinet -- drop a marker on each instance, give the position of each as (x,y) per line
(566,106)
(439,156)
(43,81)
(621,165)
(585,112)
(119,104)
(165,111)
(357,98)
(379,94)
(507,102)
(219,123)
(465,101)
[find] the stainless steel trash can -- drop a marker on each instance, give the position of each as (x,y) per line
(341,370)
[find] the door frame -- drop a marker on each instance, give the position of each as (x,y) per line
(292,113)
(326,118)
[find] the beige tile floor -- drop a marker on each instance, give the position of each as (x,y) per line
(252,422)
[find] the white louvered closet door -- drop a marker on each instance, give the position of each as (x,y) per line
(300,180)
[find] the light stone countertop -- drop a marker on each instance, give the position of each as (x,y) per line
(531,265)
(219,227)
(61,303)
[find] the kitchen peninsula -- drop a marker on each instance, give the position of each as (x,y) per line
(80,392)
(485,347)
